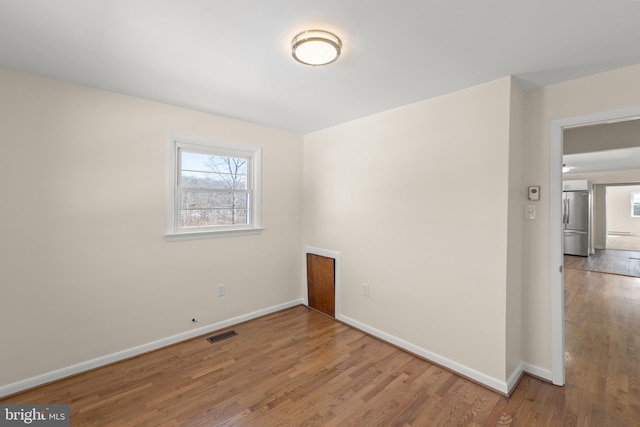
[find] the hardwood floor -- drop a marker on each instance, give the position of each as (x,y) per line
(301,368)
(626,263)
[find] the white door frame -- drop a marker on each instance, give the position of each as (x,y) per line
(556,260)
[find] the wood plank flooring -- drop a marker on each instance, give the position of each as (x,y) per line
(301,368)
(611,261)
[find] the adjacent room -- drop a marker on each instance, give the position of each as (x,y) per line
(302,213)
(607,158)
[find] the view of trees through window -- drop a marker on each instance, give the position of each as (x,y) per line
(213,190)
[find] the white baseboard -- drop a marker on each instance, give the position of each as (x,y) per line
(538,372)
(492,383)
(515,376)
(48,377)
(465,371)
(524,367)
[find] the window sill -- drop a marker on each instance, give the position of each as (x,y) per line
(211,234)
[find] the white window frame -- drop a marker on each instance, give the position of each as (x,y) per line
(254,184)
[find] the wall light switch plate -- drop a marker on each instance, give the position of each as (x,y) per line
(530,212)
(365,289)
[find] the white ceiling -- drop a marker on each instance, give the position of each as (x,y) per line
(233,57)
(608,160)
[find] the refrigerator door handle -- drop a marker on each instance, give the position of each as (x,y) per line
(568,210)
(564,211)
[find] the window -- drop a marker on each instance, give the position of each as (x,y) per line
(635,205)
(214,189)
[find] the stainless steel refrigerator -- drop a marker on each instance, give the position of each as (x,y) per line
(576,209)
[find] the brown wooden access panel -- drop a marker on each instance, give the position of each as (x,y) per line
(321,283)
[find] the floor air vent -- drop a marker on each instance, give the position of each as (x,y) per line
(222,336)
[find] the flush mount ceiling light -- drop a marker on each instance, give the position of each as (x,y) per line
(316,47)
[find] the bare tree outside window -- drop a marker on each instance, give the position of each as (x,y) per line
(214,190)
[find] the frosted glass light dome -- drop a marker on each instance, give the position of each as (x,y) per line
(316,47)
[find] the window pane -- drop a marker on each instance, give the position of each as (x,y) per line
(213,180)
(635,204)
(202,209)
(210,171)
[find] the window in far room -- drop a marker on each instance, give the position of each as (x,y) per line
(635,205)
(214,189)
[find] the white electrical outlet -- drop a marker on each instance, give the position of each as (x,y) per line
(221,290)
(365,289)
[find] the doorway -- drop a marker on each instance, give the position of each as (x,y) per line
(556,264)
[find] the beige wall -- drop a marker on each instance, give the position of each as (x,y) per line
(609,91)
(515,250)
(85,269)
(602,137)
(416,200)
(619,209)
